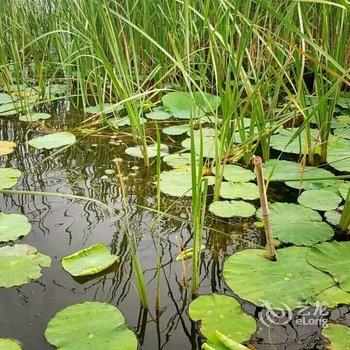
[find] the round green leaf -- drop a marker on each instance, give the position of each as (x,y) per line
(20,263)
(248,191)
(8,177)
(151,151)
(176,183)
(58,139)
(320,199)
(338,154)
(296,224)
(175,130)
(344,189)
(286,283)
(178,160)
(158,115)
(90,326)
(115,123)
(10,344)
(13,226)
(235,173)
(333,217)
(338,335)
(224,314)
(5,98)
(181,105)
(206,101)
(333,258)
(333,296)
(226,209)
(209,144)
(33,117)
(9,109)
(89,261)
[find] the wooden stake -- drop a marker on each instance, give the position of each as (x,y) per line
(264,207)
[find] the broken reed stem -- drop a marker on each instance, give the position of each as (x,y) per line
(264,207)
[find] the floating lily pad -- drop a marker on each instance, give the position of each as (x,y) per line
(248,191)
(175,130)
(104,108)
(343,133)
(151,151)
(176,183)
(20,263)
(13,226)
(89,261)
(284,170)
(115,123)
(286,283)
(55,89)
(158,115)
(319,200)
(58,139)
(203,132)
(296,224)
(208,143)
(226,209)
(5,98)
(9,109)
(338,154)
(344,189)
(6,147)
(90,326)
(338,335)
(333,258)
(8,177)
(181,105)
(281,141)
(235,173)
(224,314)
(33,117)
(334,296)
(178,160)
(333,217)
(10,344)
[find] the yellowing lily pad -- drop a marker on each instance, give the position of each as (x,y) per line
(224,314)
(10,344)
(338,336)
(13,226)
(20,264)
(8,177)
(333,258)
(286,283)
(55,140)
(320,199)
(6,147)
(89,261)
(90,326)
(296,224)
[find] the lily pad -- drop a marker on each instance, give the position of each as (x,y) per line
(8,177)
(206,101)
(209,144)
(320,200)
(296,224)
(338,335)
(224,314)
(235,173)
(115,123)
(176,130)
(333,217)
(332,297)
(10,344)
(103,108)
(181,105)
(333,258)
(34,117)
(9,109)
(284,170)
(6,147)
(338,154)
(151,151)
(226,209)
(90,326)
(176,183)
(158,115)
(178,160)
(244,190)
(286,283)
(58,139)
(20,264)
(89,261)
(344,189)
(13,226)
(5,98)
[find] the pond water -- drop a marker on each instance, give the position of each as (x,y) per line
(61,227)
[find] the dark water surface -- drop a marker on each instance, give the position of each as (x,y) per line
(61,227)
